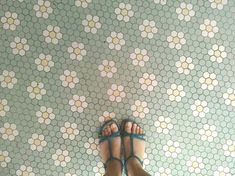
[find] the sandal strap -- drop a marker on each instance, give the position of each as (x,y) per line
(131,135)
(134,157)
(111,159)
(109,138)
(106,123)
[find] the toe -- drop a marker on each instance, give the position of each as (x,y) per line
(138,130)
(141,131)
(109,130)
(114,127)
(128,127)
(133,129)
(105,132)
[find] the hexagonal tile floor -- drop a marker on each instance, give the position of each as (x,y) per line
(67,66)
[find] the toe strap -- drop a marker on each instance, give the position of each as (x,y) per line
(110,137)
(131,135)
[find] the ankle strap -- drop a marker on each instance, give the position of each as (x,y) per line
(111,159)
(134,157)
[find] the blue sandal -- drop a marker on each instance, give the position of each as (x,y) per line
(132,137)
(109,139)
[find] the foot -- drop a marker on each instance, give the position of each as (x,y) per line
(139,146)
(113,165)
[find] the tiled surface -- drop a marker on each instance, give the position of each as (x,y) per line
(65,66)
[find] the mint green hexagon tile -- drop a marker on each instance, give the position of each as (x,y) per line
(66,67)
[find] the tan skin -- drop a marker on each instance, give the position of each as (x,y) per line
(114,167)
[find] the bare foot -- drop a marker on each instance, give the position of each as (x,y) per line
(139,145)
(113,165)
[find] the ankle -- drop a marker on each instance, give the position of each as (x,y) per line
(114,167)
(133,165)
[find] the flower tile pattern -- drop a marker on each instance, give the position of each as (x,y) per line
(67,66)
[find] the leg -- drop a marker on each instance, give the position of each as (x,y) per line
(133,165)
(113,167)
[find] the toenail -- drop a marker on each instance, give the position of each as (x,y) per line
(113,126)
(128,124)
